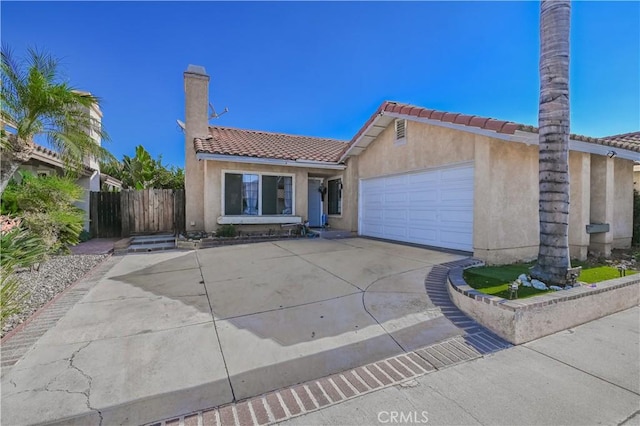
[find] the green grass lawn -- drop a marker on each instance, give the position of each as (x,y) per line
(495,280)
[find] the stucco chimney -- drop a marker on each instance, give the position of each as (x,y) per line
(196,88)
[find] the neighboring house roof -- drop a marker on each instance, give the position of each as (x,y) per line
(376,124)
(629,141)
(51,157)
(110,181)
(253,143)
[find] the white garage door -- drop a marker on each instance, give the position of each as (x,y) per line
(433,208)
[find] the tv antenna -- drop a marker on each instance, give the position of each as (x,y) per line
(214,114)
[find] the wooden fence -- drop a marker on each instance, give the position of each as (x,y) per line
(131,212)
(105,214)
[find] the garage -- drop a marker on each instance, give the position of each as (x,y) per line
(432,207)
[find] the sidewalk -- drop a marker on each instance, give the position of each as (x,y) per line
(586,375)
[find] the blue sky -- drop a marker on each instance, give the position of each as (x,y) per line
(322,69)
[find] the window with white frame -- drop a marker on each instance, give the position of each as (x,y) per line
(335,196)
(257,194)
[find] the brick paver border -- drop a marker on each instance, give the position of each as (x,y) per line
(297,400)
(18,341)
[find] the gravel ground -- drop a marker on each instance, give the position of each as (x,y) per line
(53,276)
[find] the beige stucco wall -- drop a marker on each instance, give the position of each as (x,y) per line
(579,203)
(427,146)
(348,220)
(506,201)
(213,194)
(623,203)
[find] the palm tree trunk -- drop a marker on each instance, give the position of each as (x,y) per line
(7,170)
(553,122)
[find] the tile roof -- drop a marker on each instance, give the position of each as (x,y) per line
(630,141)
(253,143)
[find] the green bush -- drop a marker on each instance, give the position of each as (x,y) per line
(11,295)
(227,231)
(21,247)
(46,205)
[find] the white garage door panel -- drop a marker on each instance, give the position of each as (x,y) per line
(432,208)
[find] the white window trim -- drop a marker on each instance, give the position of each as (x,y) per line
(260,174)
(341,196)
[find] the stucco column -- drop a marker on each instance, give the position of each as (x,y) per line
(196,87)
(602,198)
(580,203)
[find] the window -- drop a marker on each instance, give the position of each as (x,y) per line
(253,194)
(335,196)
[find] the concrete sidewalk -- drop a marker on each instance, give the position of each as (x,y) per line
(582,376)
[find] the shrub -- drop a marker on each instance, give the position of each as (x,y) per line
(11,295)
(46,205)
(21,247)
(226,231)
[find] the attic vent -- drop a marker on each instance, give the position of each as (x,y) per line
(401,126)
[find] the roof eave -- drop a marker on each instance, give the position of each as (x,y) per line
(271,161)
(383,119)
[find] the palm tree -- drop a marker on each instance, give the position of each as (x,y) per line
(35,101)
(553,122)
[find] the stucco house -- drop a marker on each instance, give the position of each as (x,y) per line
(410,174)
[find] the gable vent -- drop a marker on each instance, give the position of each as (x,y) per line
(401,126)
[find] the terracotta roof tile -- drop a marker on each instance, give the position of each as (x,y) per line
(629,141)
(478,121)
(450,117)
(463,119)
(436,115)
(253,143)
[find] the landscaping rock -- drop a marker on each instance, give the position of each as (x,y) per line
(51,278)
(537,284)
(555,288)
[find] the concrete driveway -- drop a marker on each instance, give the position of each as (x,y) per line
(175,332)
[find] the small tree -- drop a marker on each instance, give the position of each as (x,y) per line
(35,101)
(142,172)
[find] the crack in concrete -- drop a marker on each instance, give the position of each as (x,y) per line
(455,402)
(13,383)
(87,393)
(629,418)
(215,328)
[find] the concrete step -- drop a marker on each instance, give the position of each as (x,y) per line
(152,239)
(147,247)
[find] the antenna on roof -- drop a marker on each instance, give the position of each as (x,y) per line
(214,114)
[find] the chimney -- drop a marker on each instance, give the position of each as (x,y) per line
(196,88)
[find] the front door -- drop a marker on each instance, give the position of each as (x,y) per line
(314,203)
